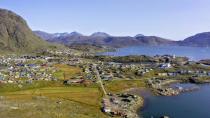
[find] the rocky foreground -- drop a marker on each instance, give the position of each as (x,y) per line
(123,105)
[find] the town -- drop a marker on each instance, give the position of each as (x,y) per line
(155,72)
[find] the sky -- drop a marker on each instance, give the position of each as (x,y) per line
(172,19)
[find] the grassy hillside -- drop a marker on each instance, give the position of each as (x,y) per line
(52,102)
(16,36)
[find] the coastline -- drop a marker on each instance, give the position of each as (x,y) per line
(133,109)
(141,93)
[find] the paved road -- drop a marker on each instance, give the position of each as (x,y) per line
(99,79)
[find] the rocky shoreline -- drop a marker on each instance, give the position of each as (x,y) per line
(124,105)
(142,93)
(133,109)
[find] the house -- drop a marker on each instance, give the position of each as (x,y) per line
(106,105)
(107,109)
(106,77)
(17,75)
(87,70)
(1,77)
(73,81)
(208,74)
(166,65)
(10,81)
(190,72)
(172,74)
(183,71)
(162,74)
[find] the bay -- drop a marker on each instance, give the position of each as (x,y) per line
(194,104)
(193,53)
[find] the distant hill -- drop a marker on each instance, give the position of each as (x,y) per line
(44,35)
(16,36)
(100,34)
(201,40)
(101,38)
(154,40)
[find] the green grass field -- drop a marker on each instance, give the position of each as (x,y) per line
(66,72)
(117,86)
(35,85)
(74,102)
(85,95)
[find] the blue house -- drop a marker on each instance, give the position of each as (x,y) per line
(1,77)
(208,73)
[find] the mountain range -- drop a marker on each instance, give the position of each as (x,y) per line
(200,40)
(101,38)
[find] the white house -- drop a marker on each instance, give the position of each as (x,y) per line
(166,65)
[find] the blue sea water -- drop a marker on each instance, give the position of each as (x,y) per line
(194,104)
(194,53)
